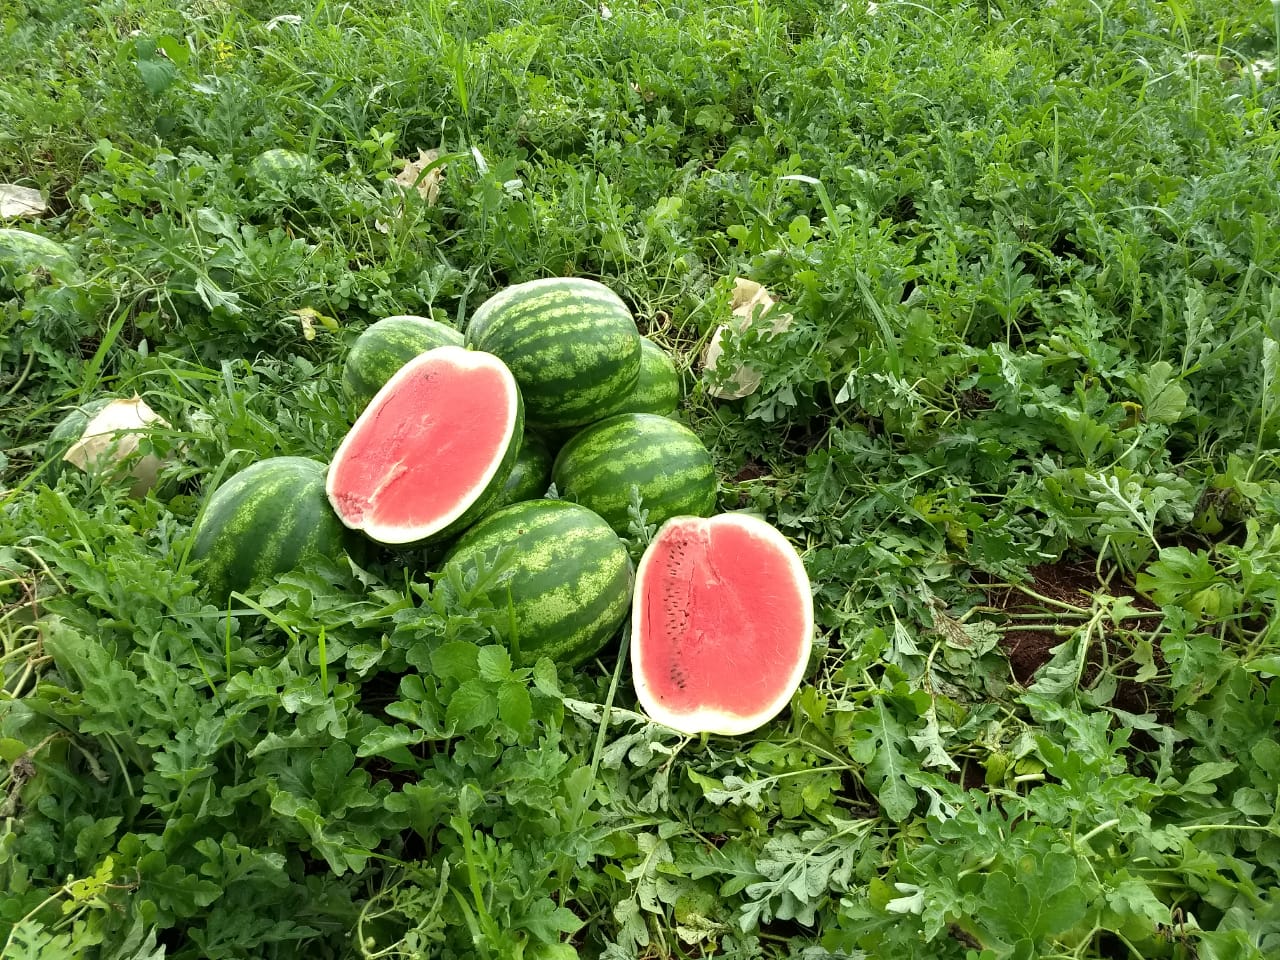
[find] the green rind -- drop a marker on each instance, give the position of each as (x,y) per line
(487,500)
(23,253)
(266,520)
(531,475)
(570,577)
(664,459)
(278,163)
(387,345)
(571,343)
(658,389)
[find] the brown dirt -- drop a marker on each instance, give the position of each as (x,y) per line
(1075,583)
(751,470)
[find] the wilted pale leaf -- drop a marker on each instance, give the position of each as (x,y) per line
(307,318)
(750,303)
(412,177)
(16,201)
(112,437)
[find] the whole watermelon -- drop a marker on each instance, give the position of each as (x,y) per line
(665,461)
(387,345)
(266,520)
(658,389)
(281,168)
(563,580)
(531,475)
(25,254)
(571,343)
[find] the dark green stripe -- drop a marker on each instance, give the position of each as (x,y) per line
(665,460)
(572,583)
(265,520)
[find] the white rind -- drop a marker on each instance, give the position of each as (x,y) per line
(709,720)
(460,359)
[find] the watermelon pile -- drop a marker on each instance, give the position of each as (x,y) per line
(455,446)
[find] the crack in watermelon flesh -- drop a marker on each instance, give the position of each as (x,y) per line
(722,624)
(427,446)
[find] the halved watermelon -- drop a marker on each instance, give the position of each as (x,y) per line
(432,450)
(721,624)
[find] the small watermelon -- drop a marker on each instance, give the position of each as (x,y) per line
(25,254)
(721,624)
(571,343)
(663,459)
(266,520)
(280,168)
(387,345)
(658,390)
(432,451)
(569,583)
(531,475)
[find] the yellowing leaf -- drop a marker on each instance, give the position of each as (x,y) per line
(417,176)
(307,318)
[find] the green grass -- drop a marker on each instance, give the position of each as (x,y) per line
(1031,258)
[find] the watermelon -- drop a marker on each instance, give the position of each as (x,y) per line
(24,254)
(387,345)
(721,624)
(266,520)
(663,459)
(571,343)
(561,578)
(280,168)
(658,389)
(531,474)
(432,451)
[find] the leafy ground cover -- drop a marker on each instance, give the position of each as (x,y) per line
(1024,428)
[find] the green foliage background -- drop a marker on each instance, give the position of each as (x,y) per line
(1031,256)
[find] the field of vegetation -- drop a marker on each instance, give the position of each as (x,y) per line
(1024,429)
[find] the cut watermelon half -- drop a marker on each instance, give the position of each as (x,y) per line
(431,451)
(721,624)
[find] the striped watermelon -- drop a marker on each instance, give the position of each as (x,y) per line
(664,459)
(562,584)
(432,451)
(24,254)
(531,474)
(387,345)
(571,343)
(658,390)
(279,167)
(266,520)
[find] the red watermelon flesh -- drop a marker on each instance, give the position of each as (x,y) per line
(430,449)
(722,624)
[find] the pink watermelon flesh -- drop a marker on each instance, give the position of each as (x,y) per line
(427,446)
(722,624)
